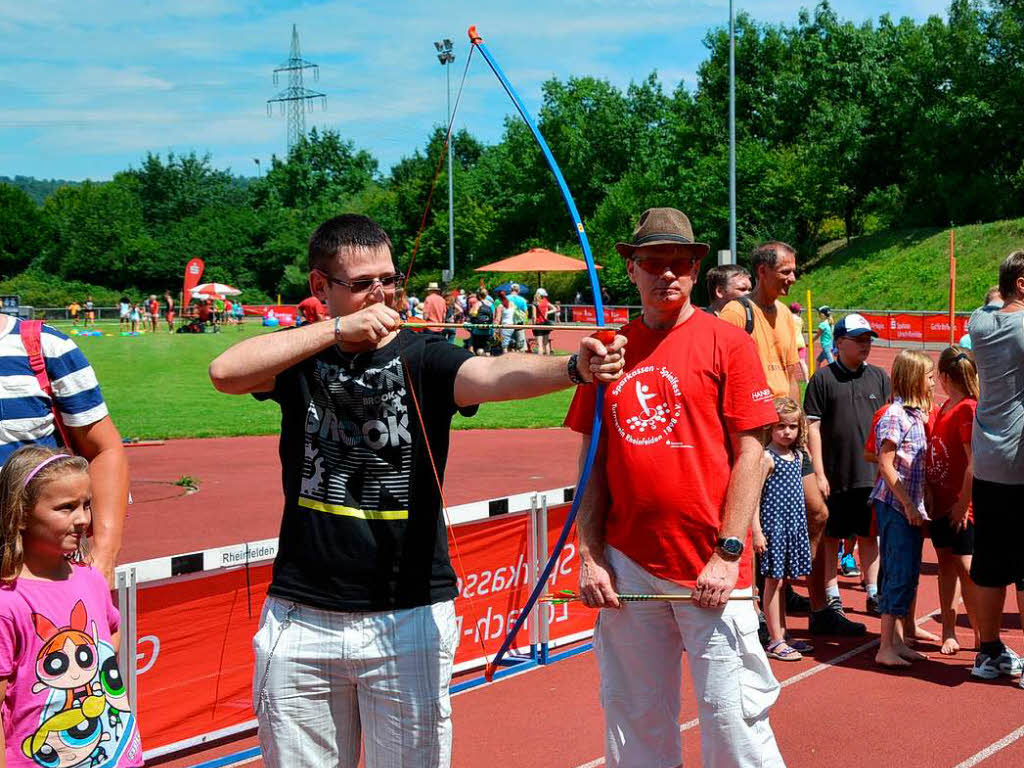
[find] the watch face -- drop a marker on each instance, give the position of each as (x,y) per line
(732,546)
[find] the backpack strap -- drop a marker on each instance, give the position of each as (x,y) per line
(749,310)
(31,337)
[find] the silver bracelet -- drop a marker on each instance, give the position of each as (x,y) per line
(337,328)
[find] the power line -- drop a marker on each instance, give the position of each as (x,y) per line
(296,98)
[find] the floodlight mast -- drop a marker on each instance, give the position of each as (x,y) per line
(445,57)
(296,98)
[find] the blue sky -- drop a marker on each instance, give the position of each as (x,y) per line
(90,86)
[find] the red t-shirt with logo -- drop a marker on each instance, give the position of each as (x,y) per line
(947,459)
(666,432)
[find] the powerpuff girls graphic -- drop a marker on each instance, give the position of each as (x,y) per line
(86,719)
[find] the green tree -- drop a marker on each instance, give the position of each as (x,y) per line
(23,231)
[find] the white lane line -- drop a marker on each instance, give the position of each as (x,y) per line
(810,673)
(991,749)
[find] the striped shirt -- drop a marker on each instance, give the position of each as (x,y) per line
(26,417)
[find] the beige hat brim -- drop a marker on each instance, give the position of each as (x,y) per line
(700,249)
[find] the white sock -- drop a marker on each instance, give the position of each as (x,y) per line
(832,591)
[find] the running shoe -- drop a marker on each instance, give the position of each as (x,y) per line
(988,668)
(836,604)
(831,622)
(848,565)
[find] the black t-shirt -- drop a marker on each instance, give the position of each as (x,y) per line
(845,402)
(363,528)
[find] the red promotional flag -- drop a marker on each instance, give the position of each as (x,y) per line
(193,271)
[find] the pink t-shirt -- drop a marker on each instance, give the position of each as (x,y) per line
(66,704)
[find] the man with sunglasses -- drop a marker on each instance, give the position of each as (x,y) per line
(668,511)
(358,632)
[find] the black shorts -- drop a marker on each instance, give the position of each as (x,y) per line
(998,534)
(849,514)
(945,537)
(480,343)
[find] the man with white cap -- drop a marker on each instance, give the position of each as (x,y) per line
(434,307)
(840,401)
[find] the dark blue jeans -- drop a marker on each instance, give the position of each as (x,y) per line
(900,549)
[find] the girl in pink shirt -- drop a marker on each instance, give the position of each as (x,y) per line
(64,702)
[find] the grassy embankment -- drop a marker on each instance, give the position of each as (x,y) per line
(909,269)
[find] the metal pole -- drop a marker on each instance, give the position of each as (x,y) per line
(732,135)
(451,209)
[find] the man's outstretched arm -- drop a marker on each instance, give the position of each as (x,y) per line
(253,364)
(515,377)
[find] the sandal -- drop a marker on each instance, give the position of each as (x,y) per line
(783,652)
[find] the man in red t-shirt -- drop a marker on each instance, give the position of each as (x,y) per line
(683,428)
(312,310)
(434,306)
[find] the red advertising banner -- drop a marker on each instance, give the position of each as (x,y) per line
(193,271)
(195,634)
(612,315)
(920,328)
(494,556)
(195,654)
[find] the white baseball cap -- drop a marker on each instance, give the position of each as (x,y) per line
(853,325)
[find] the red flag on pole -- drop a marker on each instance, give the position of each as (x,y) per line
(193,271)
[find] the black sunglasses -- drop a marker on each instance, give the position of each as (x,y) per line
(367,283)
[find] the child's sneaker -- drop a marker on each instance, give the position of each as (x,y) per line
(848,565)
(988,668)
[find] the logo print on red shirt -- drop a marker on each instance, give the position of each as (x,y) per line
(641,413)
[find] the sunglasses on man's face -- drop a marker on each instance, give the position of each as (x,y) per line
(658,265)
(388,282)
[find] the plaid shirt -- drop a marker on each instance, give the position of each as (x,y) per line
(904,427)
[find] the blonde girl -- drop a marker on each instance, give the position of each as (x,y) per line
(780,531)
(898,497)
(64,702)
(950,476)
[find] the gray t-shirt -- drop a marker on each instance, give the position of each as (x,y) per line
(997,441)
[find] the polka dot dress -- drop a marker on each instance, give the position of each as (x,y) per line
(784,520)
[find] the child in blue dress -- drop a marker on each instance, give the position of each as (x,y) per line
(780,531)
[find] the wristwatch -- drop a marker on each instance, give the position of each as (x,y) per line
(729,547)
(574,370)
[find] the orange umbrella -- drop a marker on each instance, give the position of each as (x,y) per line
(537,260)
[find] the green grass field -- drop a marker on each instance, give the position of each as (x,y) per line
(156,386)
(909,269)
